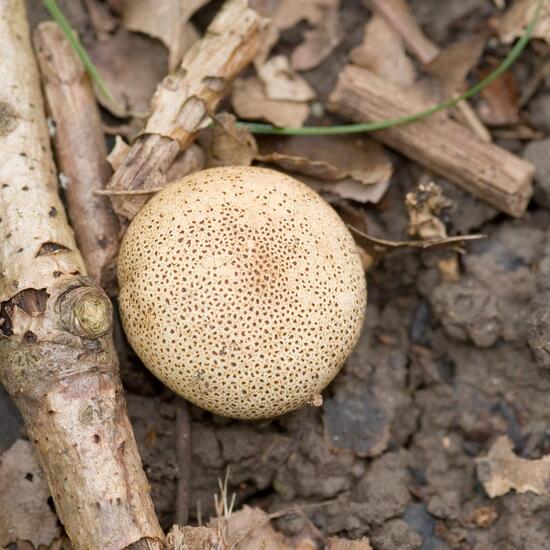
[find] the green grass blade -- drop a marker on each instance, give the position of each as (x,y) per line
(515,52)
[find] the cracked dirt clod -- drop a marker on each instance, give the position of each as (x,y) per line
(242,290)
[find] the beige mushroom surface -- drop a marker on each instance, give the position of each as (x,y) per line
(241,289)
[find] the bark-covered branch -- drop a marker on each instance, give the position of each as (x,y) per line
(56,353)
(81,152)
(184,101)
(437,143)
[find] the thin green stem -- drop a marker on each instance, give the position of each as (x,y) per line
(65,26)
(515,52)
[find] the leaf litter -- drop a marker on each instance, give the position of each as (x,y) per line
(440,439)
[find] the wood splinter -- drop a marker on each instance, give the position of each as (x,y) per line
(184,101)
(438,143)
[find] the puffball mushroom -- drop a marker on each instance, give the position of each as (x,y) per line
(242,290)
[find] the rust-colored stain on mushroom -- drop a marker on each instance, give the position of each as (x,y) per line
(242,290)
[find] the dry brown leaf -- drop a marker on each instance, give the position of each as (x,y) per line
(191,160)
(250,102)
(24,511)
(192,538)
(383,52)
(227,145)
(334,543)
(167,20)
(424,205)
(513,23)
(132,65)
(462,57)
(502,471)
(281,82)
(499,100)
(355,191)
(319,42)
(250,529)
(330,158)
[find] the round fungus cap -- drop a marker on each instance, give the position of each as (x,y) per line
(242,290)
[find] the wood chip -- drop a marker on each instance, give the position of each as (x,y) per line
(502,471)
(319,42)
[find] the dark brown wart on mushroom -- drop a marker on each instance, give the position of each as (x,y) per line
(242,290)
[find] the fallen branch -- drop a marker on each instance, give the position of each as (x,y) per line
(56,353)
(81,152)
(184,101)
(438,143)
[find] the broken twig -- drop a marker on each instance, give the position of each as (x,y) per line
(185,100)
(56,353)
(440,144)
(81,152)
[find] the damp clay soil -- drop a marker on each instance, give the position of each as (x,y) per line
(449,362)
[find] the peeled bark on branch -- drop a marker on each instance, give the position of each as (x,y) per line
(81,152)
(438,143)
(184,101)
(56,354)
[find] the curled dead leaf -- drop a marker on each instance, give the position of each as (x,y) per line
(132,65)
(329,158)
(383,52)
(228,145)
(513,23)
(250,102)
(499,103)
